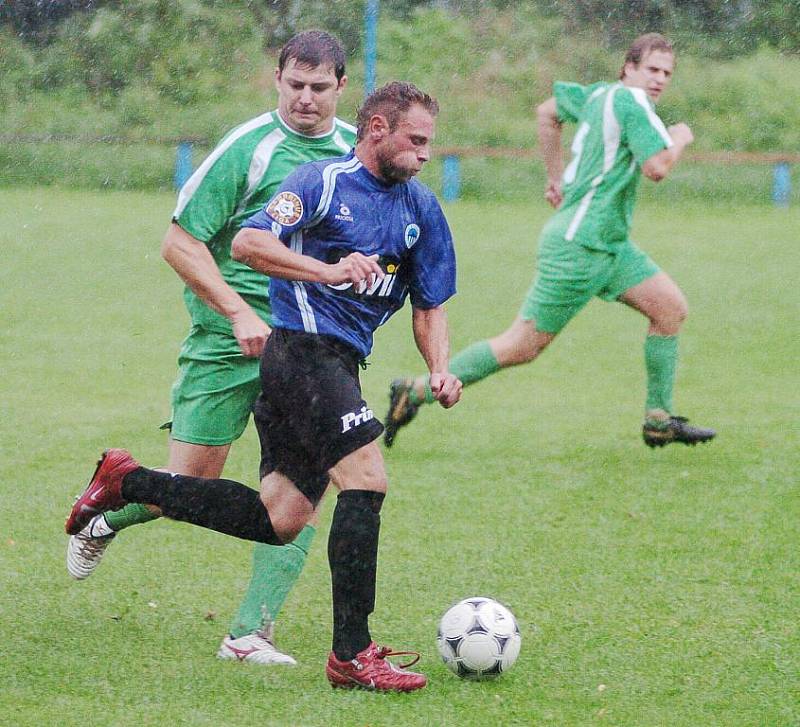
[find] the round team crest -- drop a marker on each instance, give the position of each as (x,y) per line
(411,234)
(286,208)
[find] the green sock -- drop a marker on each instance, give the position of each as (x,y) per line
(275,570)
(661,359)
(474,363)
(132,514)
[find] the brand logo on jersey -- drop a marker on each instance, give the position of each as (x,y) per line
(353,418)
(277,229)
(411,235)
(379,287)
(285,208)
(344,214)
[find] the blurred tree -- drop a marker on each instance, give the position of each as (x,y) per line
(279,20)
(37,20)
(776,22)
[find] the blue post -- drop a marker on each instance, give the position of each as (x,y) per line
(451,178)
(370,45)
(183,164)
(781,184)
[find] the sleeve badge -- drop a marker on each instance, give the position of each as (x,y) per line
(286,208)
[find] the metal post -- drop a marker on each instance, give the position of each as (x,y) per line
(451,178)
(183,164)
(370,45)
(781,184)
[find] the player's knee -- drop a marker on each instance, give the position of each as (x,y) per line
(533,344)
(289,533)
(518,345)
(677,312)
(372,480)
(288,513)
(287,525)
(361,470)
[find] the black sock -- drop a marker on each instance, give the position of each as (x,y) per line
(353,557)
(222,505)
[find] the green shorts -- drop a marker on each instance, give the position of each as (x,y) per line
(216,387)
(570,275)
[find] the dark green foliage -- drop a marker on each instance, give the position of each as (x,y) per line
(37,20)
(170,69)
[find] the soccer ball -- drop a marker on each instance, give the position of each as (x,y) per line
(478,638)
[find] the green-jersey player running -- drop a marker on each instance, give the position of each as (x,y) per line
(218,378)
(584,249)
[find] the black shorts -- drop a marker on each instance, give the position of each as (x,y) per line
(310,413)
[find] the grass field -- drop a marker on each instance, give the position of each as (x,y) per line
(651,587)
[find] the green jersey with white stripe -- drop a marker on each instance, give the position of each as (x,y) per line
(617,131)
(234,182)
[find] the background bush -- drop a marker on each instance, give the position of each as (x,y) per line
(161,70)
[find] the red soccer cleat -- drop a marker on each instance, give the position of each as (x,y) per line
(103,493)
(371,670)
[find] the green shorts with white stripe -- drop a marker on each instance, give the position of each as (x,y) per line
(569,275)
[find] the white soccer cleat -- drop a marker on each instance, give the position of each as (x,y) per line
(254,648)
(85,549)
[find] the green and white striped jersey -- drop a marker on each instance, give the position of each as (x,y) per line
(234,182)
(618,130)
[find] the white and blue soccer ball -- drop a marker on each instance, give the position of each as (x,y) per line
(478,638)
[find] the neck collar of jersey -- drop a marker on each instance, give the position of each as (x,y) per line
(308,137)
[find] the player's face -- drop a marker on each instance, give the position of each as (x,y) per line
(402,152)
(307,97)
(653,73)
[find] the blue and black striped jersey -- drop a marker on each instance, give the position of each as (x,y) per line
(332,208)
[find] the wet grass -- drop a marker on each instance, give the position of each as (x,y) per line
(650,587)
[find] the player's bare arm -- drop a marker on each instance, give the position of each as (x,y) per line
(549,131)
(191,259)
(433,341)
(658,166)
(263,251)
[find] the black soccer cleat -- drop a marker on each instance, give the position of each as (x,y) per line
(401,409)
(675,429)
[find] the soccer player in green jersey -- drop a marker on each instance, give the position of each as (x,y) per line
(218,378)
(584,249)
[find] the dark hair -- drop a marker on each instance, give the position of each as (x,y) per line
(392,101)
(644,45)
(313,48)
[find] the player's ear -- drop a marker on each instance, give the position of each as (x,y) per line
(627,68)
(378,126)
(342,84)
(278,79)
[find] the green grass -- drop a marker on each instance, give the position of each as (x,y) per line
(651,587)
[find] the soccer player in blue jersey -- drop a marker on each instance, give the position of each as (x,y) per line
(345,242)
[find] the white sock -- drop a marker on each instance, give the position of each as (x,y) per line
(99,527)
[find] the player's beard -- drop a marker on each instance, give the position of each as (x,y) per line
(393,173)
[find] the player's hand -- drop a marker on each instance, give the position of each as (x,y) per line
(360,270)
(446,388)
(552,193)
(681,134)
(250,331)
